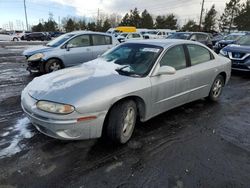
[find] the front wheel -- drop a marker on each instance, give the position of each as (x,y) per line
(121,121)
(53,65)
(216,88)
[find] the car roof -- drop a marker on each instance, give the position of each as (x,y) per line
(88,32)
(164,42)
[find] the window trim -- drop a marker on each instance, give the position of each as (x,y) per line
(189,57)
(164,53)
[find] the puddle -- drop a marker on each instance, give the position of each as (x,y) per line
(13,145)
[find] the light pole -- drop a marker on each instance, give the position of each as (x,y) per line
(24,3)
(202,7)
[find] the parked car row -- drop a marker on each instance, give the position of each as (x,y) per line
(40,36)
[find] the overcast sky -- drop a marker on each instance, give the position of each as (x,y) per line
(13,10)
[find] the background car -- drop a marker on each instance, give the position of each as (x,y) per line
(239,54)
(229,39)
(135,80)
(129,36)
(5,36)
(216,38)
(155,35)
(68,50)
(201,37)
(41,36)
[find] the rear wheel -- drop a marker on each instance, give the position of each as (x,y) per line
(53,65)
(216,88)
(121,121)
(15,39)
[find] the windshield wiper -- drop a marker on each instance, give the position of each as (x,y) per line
(125,72)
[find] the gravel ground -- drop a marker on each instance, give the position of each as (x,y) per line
(200,144)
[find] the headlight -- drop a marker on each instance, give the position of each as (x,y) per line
(223,52)
(55,107)
(36,57)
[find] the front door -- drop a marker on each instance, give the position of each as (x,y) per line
(78,50)
(169,91)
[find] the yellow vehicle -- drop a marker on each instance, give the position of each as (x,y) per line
(125,29)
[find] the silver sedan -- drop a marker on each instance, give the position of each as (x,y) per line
(139,79)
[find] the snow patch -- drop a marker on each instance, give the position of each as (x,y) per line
(65,78)
(101,67)
(22,132)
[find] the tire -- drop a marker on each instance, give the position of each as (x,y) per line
(53,65)
(216,88)
(121,122)
(15,39)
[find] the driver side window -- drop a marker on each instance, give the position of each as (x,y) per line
(79,41)
(174,57)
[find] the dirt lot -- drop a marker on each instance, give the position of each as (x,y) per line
(199,145)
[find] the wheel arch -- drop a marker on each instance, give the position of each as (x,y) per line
(140,104)
(224,75)
(57,58)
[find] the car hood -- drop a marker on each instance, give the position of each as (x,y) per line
(227,41)
(87,81)
(237,48)
(37,49)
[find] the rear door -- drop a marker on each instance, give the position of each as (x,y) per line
(203,69)
(77,50)
(100,44)
(169,91)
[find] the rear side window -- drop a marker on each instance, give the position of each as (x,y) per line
(198,54)
(174,57)
(101,40)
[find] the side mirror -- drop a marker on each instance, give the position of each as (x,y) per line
(68,46)
(166,70)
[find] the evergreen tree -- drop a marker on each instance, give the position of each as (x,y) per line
(210,20)
(106,25)
(242,20)
(135,19)
(125,20)
(171,22)
(191,25)
(146,20)
(38,28)
(160,22)
(230,12)
(166,22)
(70,25)
(91,26)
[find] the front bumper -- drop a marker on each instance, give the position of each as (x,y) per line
(63,127)
(35,66)
(239,66)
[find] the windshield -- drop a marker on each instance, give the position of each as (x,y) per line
(59,40)
(136,59)
(124,34)
(245,40)
(233,37)
(184,36)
